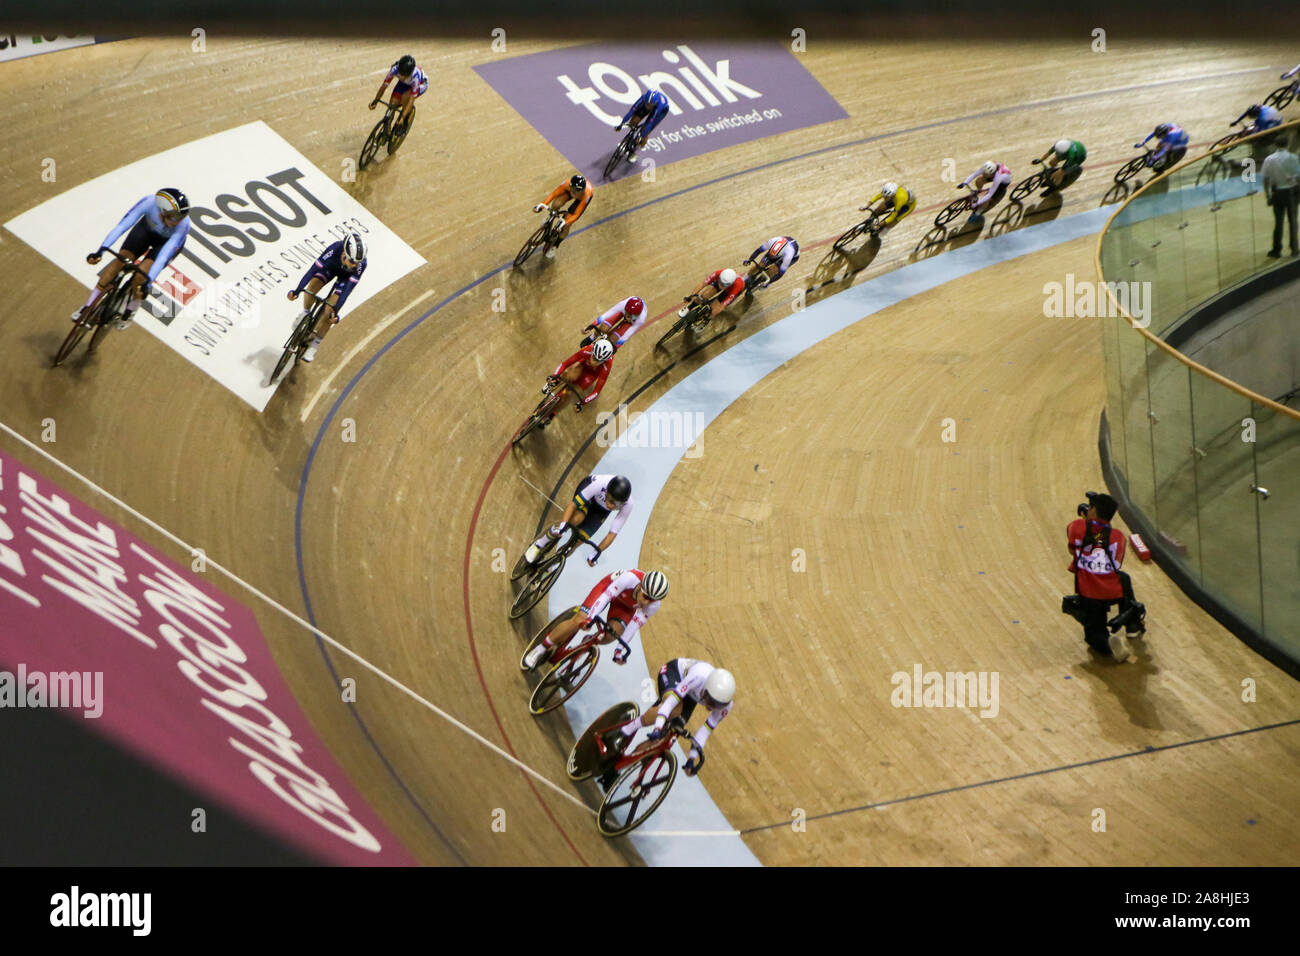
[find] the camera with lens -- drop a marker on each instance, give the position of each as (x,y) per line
(1083,508)
(1072,604)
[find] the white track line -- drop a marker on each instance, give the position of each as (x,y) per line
(384,323)
(540,492)
(297,620)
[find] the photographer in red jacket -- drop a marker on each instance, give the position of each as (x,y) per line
(1097,551)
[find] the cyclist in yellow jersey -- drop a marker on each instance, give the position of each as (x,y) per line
(895,202)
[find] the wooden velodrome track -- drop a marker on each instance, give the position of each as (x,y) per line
(951,556)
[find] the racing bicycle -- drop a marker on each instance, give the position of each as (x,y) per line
(635,783)
(571,664)
(104,314)
(387,133)
(540,575)
(300,338)
(547,234)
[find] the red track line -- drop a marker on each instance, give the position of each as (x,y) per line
(473,648)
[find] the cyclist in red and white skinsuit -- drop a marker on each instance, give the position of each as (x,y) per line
(632,597)
(583,370)
(989,182)
(683,683)
(620,322)
(725,285)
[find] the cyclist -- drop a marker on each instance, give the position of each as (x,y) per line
(1171,146)
(158,226)
(1262,118)
(898,200)
(577,192)
(990,183)
(779,253)
(621,322)
(411,82)
(585,368)
(632,598)
(596,496)
(646,113)
(726,286)
(683,683)
(1065,160)
(342,261)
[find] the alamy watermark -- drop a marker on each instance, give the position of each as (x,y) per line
(1086,299)
(71,690)
(652,430)
(923,688)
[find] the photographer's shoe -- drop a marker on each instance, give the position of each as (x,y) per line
(1118,649)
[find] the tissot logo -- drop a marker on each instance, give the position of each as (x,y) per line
(261,213)
(718,94)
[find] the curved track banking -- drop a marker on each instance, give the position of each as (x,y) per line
(393,548)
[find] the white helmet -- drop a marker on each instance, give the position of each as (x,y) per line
(601,350)
(990,168)
(1062,146)
(654,585)
(720,687)
(889,190)
(727,277)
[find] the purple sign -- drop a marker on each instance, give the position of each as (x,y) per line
(719,95)
(94,620)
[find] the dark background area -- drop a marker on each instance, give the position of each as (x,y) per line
(676,19)
(69,797)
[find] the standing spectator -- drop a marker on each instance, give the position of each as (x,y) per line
(1282,188)
(1097,551)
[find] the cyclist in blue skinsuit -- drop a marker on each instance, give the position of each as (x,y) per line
(344,262)
(1172,144)
(158,227)
(646,113)
(1265,117)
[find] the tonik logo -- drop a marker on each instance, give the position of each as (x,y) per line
(694,84)
(102,909)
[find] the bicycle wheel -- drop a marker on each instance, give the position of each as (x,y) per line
(399,134)
(1130,169)
(373,142)
(1027,186)
(547,629)
(839,244)
(618,156)
(1226,141)
(564,679)
(114,307)
(522,566)
(585,758)
(677,327)
(537,585)
(292,347)
(75,335)
(1281,97)
(539,415)
(637,793)
(952,211)
(531,246)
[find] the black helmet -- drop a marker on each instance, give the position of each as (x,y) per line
(578,182)
(1162,129)
(1254,111)
(619,490)
(172,202)
(406,65)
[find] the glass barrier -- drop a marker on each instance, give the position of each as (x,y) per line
(1210,468)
